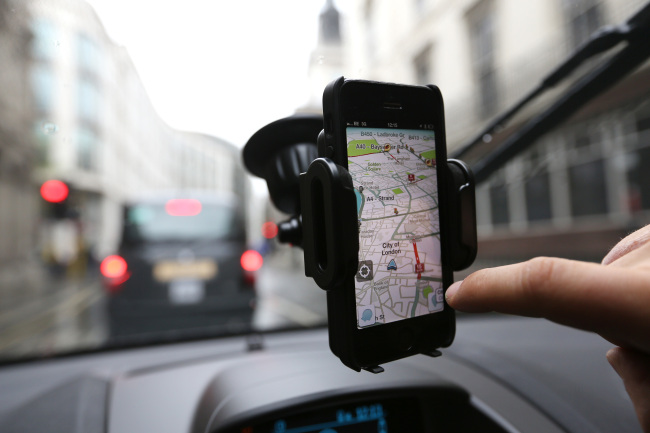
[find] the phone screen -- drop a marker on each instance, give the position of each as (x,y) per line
(395,180)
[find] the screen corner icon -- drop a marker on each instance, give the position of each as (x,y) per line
(366,315)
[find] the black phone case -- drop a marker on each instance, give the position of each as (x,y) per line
(336,194)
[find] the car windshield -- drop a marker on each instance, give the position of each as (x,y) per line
(128,216)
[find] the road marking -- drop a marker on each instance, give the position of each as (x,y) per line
(35,304)
(291,310)
(41,322)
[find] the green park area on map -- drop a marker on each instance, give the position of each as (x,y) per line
(363,147)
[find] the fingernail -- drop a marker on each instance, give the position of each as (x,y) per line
(613,356)
(614,359)
(452,290)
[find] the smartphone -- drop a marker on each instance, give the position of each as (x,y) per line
(391,140)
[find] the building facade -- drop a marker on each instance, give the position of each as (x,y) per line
(73,108)
(576,190)
(18,201)
(100,132)
(327,60)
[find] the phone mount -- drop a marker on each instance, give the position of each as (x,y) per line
(318,193)
(331,238)
(278,153)
(292,156)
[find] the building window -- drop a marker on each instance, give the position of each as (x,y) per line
(87,100)
(637,163)
(44,42)
(583,17)
(499,203)
(588,189)
(43,87)
(87,55)
(43,131)
(587,181)
(87,144)
(422,66)
(482,41)
(538,197)
(638,180)
(643,124)
(537,186)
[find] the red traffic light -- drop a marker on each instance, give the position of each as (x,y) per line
(54,191)
(269,230)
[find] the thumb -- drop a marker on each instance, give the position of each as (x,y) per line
(634,368)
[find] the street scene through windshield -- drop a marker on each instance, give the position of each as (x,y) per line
(127,216)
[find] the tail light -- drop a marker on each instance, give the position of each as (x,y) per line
(115,270)
(251,261)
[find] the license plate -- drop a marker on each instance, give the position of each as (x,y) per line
(186,291)
(167,271)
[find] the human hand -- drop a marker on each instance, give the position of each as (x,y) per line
(634,368)
(611,299)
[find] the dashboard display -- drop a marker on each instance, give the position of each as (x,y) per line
(392,415)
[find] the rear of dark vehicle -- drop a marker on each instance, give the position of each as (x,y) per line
(179,267)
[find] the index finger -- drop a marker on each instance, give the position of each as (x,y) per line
(608,300)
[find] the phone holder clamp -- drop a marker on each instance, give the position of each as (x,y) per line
(330,224)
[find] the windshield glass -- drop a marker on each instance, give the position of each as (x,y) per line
(127,215)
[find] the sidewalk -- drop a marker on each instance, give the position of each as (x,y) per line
(21,281)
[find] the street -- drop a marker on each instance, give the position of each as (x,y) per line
(285,296)
(69,315)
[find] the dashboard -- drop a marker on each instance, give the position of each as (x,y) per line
(502,374)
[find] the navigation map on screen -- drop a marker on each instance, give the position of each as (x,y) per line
(395,181)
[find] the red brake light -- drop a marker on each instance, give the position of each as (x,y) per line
(113,267)
(183,207)
(269,230)
(54,191)
(251,260)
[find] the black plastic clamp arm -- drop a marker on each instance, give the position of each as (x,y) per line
(330,228)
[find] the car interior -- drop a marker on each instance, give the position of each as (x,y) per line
(195,310)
